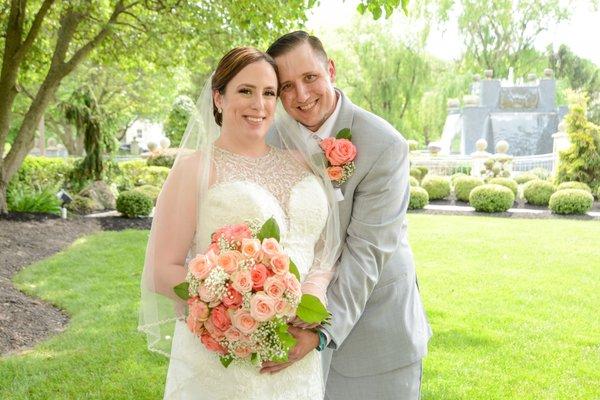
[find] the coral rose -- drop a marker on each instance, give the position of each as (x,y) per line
(327,144)
(199,266)
(341,153)
(232,298)
(220,319)
(242,351)
(259,274)
(211,344)
(262,307)
(199,310)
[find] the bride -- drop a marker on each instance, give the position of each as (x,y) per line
(225,174)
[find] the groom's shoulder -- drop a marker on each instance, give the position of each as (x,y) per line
(373,129)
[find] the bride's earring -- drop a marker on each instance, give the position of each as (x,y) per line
(219,110)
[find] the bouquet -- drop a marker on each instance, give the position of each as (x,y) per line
(243,291)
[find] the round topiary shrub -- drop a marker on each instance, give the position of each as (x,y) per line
(464,185)
(414,181)
(491,198)
(509,183)
(150,191)
(161,160)
(437,187)
(571,201)
(541,173)
(134,204)
(455,176)
(525,177)
(574,185)
(416,173)
(82,205)
(424,170)
(155,176)
(538,192)
(418,198)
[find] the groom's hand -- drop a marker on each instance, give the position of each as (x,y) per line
(306,341)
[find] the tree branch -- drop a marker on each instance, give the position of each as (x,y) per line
(34,30)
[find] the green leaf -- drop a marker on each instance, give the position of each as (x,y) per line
(286,339)
(311,310)
(344,134)
(361,8)
(294,270)
(182,290)
(226,360)
(270,229)
(405,6)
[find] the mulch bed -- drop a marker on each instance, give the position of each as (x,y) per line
(27,238)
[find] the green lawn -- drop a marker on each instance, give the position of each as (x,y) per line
(513,304)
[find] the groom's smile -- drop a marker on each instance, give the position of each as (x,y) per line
(306,82)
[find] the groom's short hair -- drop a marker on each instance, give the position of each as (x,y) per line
(291,40)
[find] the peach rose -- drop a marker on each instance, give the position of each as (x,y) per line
(211,344)
(220,319)
(250,247)
(199,310)
(280,263)
(195,326)
(232,298)
(275,286)
(341,153)
(232,334)
(242,351)
(292,284)
(258,274)
(327,144)
(228,260)
(240,232)
(335,173)
(262,307)
(212,330)
(242,281)
(199,266)
(212,257)
(205,295)
(270,247)
(244,322)
(214,248)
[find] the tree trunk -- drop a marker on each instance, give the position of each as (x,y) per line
(3,205)
(42,136)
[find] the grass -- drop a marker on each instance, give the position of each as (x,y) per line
(513,304)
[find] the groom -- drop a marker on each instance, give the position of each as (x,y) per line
(378,333)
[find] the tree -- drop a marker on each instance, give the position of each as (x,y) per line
(160,29)
(501,33)
(579,74)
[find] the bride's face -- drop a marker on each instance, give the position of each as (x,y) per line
(248,103)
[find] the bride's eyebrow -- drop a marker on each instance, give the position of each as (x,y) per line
(248,85)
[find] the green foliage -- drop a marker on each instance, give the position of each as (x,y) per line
(541,173)
(424,170)
(134,204)
(151,191)
(507,182)
(377,7)
(161,160)
(438,187)
(43,173)
(455,176)
(464,185)
(416,173)
(270,229)
(525,177)
(538,192)
(574,185)
(491,198)
(178,118)
(414,181)
(418,198)
(154,176)
(497,166)
(571,201)
(182,290)
(461,169)
(130,174)
(311,310)
(82,205)
(22,199)
(581,161)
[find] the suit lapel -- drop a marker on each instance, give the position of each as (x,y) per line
(346,115)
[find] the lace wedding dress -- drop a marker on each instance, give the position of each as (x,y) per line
(275,185)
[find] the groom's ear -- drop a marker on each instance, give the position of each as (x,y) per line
(331,70)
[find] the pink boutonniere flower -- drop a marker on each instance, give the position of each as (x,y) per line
(340,154)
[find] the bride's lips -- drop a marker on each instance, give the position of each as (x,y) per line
(254,120)
(308,107)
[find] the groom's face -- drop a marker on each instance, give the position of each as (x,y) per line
(306,83)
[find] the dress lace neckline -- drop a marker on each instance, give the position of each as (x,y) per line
(229,153)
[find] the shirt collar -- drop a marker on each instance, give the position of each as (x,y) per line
(325,130)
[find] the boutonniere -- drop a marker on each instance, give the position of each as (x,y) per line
(340,154)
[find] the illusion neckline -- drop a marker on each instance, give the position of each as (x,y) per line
(245,157)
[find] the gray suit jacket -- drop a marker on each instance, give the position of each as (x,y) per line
(378,321)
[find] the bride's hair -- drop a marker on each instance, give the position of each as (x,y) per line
(230,65)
